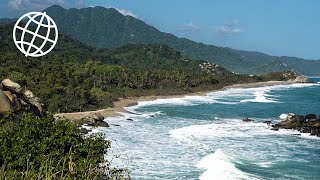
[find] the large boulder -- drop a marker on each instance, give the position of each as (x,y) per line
(34,101)
(13,98)
(11,86)
(291,122)
(5,103)
(16,103)
(94,119)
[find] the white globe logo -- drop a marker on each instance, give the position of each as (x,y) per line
(35,34)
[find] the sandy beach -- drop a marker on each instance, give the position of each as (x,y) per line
(119,105)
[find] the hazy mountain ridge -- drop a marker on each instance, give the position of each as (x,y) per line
(108,28)
(102,27)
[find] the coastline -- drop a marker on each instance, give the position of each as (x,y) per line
(131,101)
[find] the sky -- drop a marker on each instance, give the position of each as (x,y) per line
(275,27)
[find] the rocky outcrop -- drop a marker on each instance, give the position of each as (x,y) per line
(305,124)
(5,104)
(247,120)
(300,79)
(14,99)
(13,87)
(93,119)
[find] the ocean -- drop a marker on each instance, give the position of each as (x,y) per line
(204,137)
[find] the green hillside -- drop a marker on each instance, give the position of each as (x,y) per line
(107,28)
(76,77)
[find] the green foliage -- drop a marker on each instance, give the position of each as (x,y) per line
(42,148)
(75,77)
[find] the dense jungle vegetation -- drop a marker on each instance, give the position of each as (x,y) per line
(76,77)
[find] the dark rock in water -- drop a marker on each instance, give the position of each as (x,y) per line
(310,117)
(304,124)
(315,130)
(151,115)
(102,124)
(267,122)
(129,119)
(275,129)
(296,134)
(293,121)
(305,130)
(115,124)
(247,120)
(84,130)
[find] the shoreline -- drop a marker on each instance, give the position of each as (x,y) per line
(131,101)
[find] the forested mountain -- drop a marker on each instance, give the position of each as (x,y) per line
(107,28)
(76,77)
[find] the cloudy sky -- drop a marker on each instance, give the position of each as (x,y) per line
(276,27)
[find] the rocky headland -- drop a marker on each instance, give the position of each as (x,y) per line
(309,123)
(17,100)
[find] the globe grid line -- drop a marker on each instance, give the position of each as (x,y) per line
(38,35)
(31,19)
(34,37)
(36,22)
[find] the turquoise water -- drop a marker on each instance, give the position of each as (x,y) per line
(203,137)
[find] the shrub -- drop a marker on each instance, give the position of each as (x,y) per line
(42,148)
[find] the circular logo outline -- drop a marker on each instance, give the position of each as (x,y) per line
(20,44)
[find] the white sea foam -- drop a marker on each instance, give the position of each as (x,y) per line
(283,116)
(229,96)
(219,166)
(172,101)
(259,97)
(265,164)
(223,128)
(232,128)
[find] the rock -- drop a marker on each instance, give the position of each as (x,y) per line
(84,130)
(16,103)
(296,134)
(35,101)
(309,117)
(275,129)
(295,118)
(300,79)
(19,101)
(315,129)
(115,124)
(5,103)
(129,119)
(305,130)
(102,124)
(94,119)
(247,120)
(151,115)
(304,124)
(267,122)
(13,87)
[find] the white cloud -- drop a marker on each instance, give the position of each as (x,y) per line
(34,5)
(126,12)
(229,28)
(188,27)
